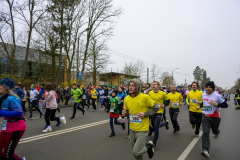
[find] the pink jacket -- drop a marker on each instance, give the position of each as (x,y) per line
(46,92)
(50,100)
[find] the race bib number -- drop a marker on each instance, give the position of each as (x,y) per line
(112,110)
(105,96)
(194,101)
(207,108)
(135,119)
(46,104)
(175,104)
(4,128)
(84,97)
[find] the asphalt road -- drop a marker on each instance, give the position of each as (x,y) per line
(86,138)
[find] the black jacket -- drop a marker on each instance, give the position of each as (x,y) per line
(105,92)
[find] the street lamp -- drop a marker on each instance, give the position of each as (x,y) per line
(78,52)
(172,74)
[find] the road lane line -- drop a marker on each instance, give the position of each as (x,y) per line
(49,134)
(184,155)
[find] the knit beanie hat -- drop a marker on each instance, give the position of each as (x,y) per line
(33,85)
(7,82)
(115,91)
(211,84)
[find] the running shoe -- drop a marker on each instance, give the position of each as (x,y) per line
(197,136)
(150,149)
(45,126)
(63,119)
(123,126)
(83,111)
(167,126)
(23,158)
(154,146)
(127,136)
(58,124)
(150,133)
(30,117)
(94,110)
(41,115)
(205,154)
(178,129)
(193,126)
(71,118)
(48,129)
(174,132)
(215,136)
(112,134)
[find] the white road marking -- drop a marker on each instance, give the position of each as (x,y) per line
(50,134)
(184,155)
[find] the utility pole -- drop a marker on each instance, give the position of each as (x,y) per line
(147,75)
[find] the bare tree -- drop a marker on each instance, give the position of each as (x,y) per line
(31,12)
(71,39)
(155,72)
(132,68)
(8,32)
(100,14)
(97,59)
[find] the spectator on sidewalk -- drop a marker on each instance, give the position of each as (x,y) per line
(67,94)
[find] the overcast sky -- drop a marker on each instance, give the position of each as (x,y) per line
(180,34)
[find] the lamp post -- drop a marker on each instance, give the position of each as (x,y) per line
(78,53)
(172,74)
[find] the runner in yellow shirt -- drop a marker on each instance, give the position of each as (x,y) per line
(158,96)
(137,105)
(193,100)
(176,100)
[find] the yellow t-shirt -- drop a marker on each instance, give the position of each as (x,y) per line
(175,98)
(158,98)
(140,103)
(94,94)
(192,98)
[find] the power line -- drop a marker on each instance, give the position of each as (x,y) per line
(144,62)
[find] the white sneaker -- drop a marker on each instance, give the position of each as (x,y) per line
(205,154)
(63,119)
(48,129)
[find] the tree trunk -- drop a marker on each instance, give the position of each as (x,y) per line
(85,52)
(29,40)
(61,45)
(94,69)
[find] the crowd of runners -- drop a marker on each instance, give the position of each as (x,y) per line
(143,108)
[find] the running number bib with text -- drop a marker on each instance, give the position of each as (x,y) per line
(194,101)
(135,119)
(112,107)
(175,104)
